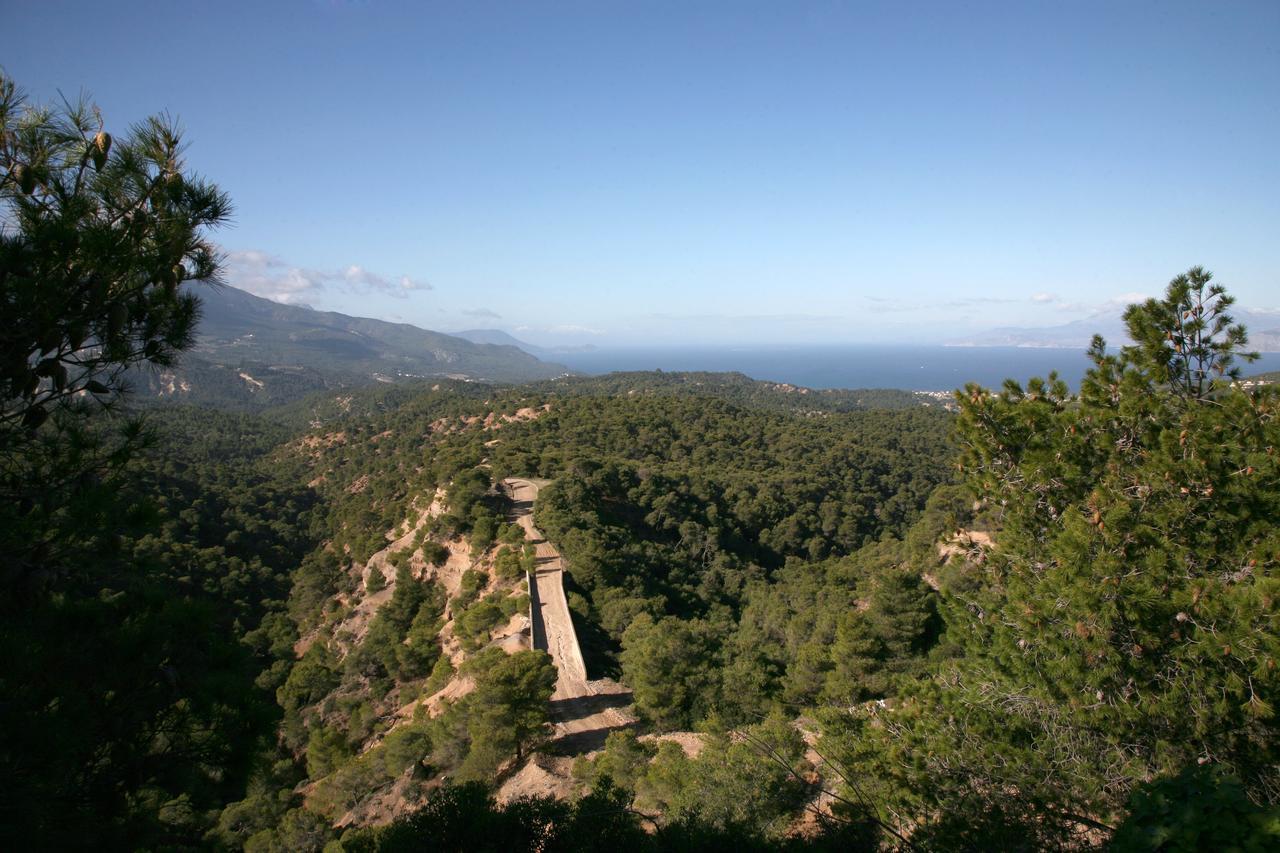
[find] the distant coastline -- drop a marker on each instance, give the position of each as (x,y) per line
(910,368)
(1010,346)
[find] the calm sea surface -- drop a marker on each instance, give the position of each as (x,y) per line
(912,368)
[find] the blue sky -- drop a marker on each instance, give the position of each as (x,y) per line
(698,172)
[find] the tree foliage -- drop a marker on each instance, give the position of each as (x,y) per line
(98,235)
(1125,626)
(501,718)
(1187,341)
(134,567)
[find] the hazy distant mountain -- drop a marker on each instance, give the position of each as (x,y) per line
(496,337)
(254,351)
(1074,335)
(1263,327)
(499,337)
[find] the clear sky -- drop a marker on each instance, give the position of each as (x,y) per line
(698,172)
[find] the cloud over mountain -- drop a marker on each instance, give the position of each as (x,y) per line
(274,278)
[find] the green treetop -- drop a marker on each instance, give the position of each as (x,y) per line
(1125,626)
(97,235)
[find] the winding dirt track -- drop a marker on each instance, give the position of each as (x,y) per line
(583,711)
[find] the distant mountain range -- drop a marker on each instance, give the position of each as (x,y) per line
(501,338)
(253,352)
(1263,328)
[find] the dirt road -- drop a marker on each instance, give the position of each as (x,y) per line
(583,711)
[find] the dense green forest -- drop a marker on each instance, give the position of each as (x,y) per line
(744,391)
(1032,620)
(252,528)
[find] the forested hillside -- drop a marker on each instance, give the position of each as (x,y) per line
(136,690)
(670,511)
(352,550)
(745,391)
(253,354)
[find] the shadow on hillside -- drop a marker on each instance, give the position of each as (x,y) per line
(589,741)
(584,706)
(537,625)
(599,650)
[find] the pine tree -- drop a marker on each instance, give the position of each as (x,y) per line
(877,644)
(99,233)
(1126,624)
(128,707)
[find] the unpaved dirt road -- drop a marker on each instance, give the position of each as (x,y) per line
(583,711)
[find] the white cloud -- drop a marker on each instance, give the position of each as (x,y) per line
(268,276)
(1115,305)
(1106,308)
(883,304)
(272,277)
(740,318)
(359,277)
(254,257)
(481,312)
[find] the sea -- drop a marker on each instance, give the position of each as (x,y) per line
(908,367)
